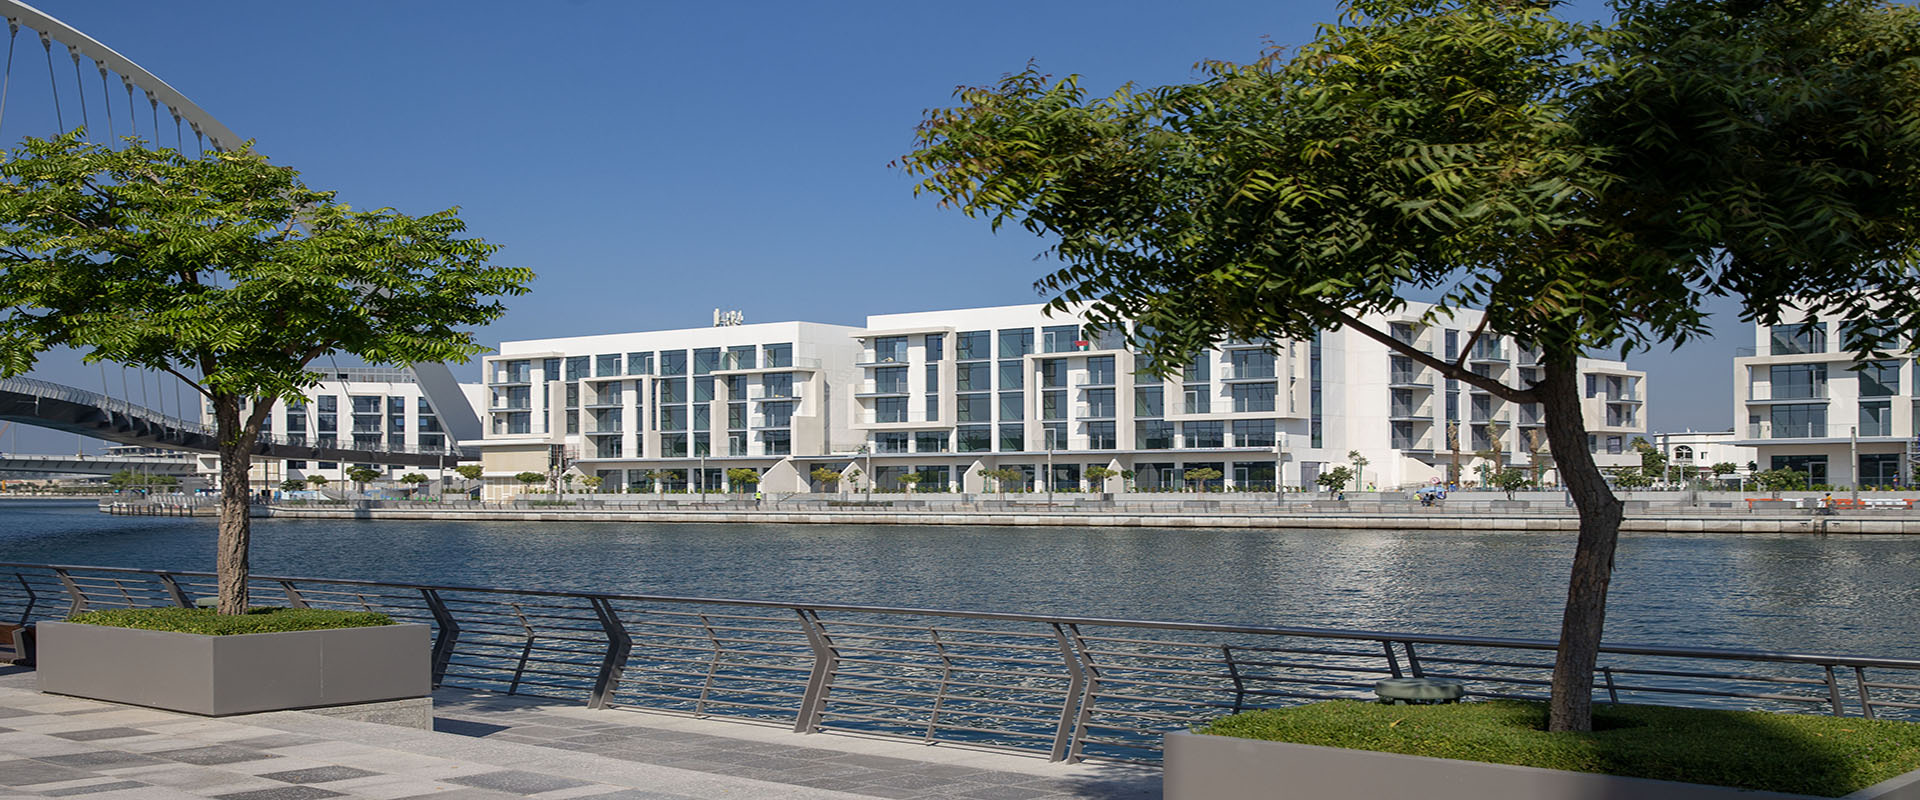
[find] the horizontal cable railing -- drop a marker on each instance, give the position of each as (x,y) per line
(1071,687)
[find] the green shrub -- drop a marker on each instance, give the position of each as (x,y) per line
(1796,753)
(256,620)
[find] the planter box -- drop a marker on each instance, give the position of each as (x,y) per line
(246,673)
(1201,766)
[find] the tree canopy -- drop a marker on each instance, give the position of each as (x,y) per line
(1586,185)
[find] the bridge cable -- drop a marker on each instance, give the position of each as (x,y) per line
(106,100)
(154,104)
(80,88)
(133,122)
(46,43)
(13,28)
(179,144)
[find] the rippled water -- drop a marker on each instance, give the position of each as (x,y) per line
(1847,594)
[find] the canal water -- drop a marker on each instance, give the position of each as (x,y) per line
(1836,594)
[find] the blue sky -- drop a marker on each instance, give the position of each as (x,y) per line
(653,161)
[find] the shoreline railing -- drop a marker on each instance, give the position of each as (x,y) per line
(1070,687)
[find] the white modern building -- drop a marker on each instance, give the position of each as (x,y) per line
(948,395)
(1801,404)
(1701,450)
(674,408)
(362,408)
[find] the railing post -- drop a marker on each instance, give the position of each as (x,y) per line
(1393,661)
(1613,692)
(174,592)
(1076,684)
(1833,693)
(73,592)
(33,598)
(447,635)
(1866,700)
(1239,686)
(826,661)
(1089,692)
(294,600)
(946,677)
(1413,661)
(619,644)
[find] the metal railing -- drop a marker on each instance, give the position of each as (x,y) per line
(1072,687)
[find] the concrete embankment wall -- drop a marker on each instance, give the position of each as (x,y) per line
(1663,523)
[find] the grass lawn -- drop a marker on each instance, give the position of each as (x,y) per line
(257,620)
(1798,753)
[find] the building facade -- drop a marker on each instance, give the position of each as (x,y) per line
(1700,450)
(1800,402)
(950,395)
(676,408)
(366,408)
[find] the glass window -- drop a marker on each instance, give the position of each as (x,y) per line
(1799,421)
(1100,403)
(364,404)
(1814,466)
(1253,396)
(1053,372)
(1053,405)
(1880,379)
(1197,371)
(1453,345)
(1805,337)
(1016,342)
(890,380)
(1100,371)
(673,362)
(706,360)
(1012,374)
(936,346)
(973,345)
(777,384)
(1149,401)
(1198,399)
(606,365)
(703,417)
(703,390)
(1153,434)
(779,355)
(672,390)
(972,377)
(1060,338)
(777,443)
(1013,438)
(1880,469)
(973,438)
(1876,418)
(577,367)
(1012,406)
(513,372)
(1143,374)
(744,356)
(1101,436)
(639,363)
(887,349)
(778,415)
(973,408)
(1053,436)
(890,442)
(1204,434)
(736,416)
(737,443)
(890,409)
(673,418)
(1253,364)
(1253,433)
(1799,381)
(930,442)
(1403,438)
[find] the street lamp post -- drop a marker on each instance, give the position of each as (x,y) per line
(1049,466)
(1853,453)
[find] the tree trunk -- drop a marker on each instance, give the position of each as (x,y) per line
(236,460)
(1600,513)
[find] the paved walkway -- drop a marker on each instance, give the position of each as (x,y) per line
(489,746)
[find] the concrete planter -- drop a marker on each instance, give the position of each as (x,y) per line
(1510,505)
(220,675)
(1202,766)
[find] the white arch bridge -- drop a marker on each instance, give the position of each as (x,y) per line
(53,405)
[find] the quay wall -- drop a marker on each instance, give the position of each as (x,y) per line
(1662,523)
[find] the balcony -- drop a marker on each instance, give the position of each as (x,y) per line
(1763,393)
(762,393)
(1419,413)
(1766,430)
(881,358)
(874,389)
(1487,355)
(873,418)
(1409,379)
(1230,375)
(796,364)
(762,422)
(1085,411)
(1095,381)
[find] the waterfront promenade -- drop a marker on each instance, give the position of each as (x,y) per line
(489,746)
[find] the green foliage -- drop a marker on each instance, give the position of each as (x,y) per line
(528,479)
(1792,753)
(1335,479)
(742,476)
(1780,480)
(471,472)
(292,485)
(1097,477)
(1360,463)
(256,620)
(1511,480)
(1006,477)
(593,481)
(911,480)
(1633,478)
(1200,476)
(125,478)
(825,476)
(363,475)
(1724,468)
(413,478)
(1652,461)
(317,481)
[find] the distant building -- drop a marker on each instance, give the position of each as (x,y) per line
(1703,449)
(947,394)
(365,408)
(1801,405)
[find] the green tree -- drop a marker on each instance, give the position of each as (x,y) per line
(739,477)
(528,479)
(1097,477)
(852,478)
(1359,463)
(1780,480)
(1335,479)
(1587,185)
(593,482)
(123,479)
(1633,478)
(1722,469)
(470,472)
(660,477)
(825,477)
(911,480)
(292,485)
(228,273)
(414,480)
(1511,480)
(1200,476)
(361,476)
(317,482)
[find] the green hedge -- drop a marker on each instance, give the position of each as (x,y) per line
(1796,753)
(258,620)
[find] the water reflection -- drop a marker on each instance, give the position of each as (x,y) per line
(1854,594)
